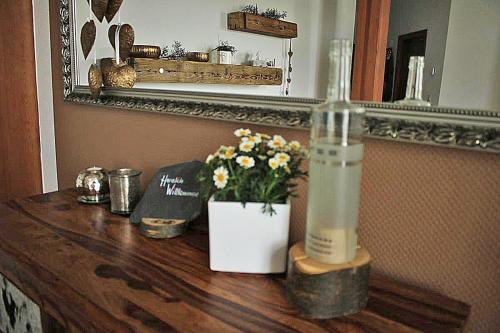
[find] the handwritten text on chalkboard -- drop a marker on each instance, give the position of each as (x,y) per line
(173,187)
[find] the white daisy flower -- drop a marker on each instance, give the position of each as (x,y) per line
(246,162)
(282,158)
(227,153)
(273,163)
(294,145)
(277,142)
(242,132)
(220,177)
(263,136)
(247,146)
(210,158)
(255,139)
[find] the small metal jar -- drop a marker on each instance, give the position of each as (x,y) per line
(198,56)
(125,190)
(92,186)
(145,51)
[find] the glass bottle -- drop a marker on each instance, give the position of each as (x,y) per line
(335,166)
(414,83)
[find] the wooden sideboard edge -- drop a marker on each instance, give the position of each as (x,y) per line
(404,289)
(379,282)
(12,266)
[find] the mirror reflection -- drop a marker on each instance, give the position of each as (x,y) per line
(460,43)
(280,47)
(272,48)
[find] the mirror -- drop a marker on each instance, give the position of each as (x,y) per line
(460,41)
(461,78)
(202,26)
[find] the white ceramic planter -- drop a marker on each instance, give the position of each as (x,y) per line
(246,240)
(221,57)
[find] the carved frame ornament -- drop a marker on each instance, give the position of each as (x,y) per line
(448,127)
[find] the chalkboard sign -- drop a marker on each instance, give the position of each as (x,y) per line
(173,193)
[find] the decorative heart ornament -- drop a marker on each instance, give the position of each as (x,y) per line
(99,7)
(113,8)
(87,37)
(126,38)
(117,75)
(95,81)
(106,64)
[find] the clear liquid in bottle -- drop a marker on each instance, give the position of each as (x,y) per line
(335,166)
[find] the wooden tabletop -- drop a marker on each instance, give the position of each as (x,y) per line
(92,271)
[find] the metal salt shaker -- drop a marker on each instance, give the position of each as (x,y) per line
(125,189)
(92,186)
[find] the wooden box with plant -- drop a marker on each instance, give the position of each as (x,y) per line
(248,189)
(223,53)
(269,22)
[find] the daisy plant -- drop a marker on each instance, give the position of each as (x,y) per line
(260,168)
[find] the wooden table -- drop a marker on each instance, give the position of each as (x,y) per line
(92,271)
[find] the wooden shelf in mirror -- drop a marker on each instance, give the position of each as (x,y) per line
(172,71)
(261,25)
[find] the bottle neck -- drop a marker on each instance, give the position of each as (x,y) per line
(339,88)
(415,78)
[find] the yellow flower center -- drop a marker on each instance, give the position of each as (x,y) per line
(252,139)
(220,177)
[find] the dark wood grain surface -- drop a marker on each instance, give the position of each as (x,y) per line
(93,271)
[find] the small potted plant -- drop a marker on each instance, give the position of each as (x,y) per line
(177,53)
(223,54)
(271,13)
(248,190)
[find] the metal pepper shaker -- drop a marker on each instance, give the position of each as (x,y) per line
(92,186)
(125,190)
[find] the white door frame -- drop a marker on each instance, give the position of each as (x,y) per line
(41,30)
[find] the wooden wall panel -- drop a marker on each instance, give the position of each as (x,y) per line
(20,170)
(3,131)
(3,138)
(372,26)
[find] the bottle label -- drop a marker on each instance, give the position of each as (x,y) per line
(336,154)
(332,245)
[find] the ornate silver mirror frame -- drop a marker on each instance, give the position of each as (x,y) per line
(451,127)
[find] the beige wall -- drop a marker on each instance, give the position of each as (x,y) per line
(429,215)
(471,74)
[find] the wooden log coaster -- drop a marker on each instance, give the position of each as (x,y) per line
(327,291)
(162,228)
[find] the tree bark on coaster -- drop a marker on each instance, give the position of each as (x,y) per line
(162,228)
(327,291)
